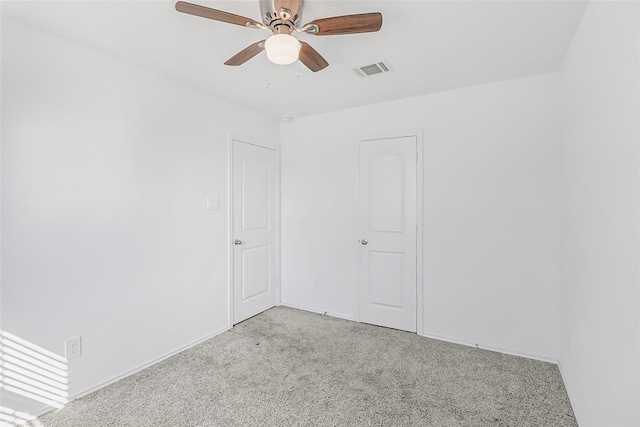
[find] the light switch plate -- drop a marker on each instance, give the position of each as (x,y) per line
(213,203)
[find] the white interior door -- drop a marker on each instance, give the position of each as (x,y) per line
(254,230)
(388,232)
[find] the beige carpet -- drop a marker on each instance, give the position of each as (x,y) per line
(287,367)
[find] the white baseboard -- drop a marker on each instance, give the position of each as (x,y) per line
(491,348)
(571,398)
(139,368)
(440,338)
(328,313)
(34,413)
(337,315)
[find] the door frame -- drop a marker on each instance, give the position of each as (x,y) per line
(230,247)
(419,135)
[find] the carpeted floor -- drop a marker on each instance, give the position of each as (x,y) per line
(287,367)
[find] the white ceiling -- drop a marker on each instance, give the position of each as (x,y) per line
(432,46)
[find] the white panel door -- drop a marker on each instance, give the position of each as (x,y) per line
(388,232)
(254,230)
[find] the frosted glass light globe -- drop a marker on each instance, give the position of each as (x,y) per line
(282,49)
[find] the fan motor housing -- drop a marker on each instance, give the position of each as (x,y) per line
(290,10)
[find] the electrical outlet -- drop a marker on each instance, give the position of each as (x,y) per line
(73,348)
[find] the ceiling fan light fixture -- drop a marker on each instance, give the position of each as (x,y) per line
(282,49)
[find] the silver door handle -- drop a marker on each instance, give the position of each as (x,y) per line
(364,242)
(237,242)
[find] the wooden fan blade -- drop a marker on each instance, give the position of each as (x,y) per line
(349,24)
(246,54)
(311,58)
(216,15)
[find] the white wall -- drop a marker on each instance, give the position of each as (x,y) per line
(600,252)
(490,211)
(105,172)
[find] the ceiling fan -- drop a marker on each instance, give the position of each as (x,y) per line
(283,17)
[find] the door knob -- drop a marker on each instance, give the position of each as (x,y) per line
(364,242)
(237,242)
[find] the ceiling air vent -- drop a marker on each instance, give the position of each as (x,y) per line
(370,70)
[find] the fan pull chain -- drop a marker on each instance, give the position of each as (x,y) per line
(266,84)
